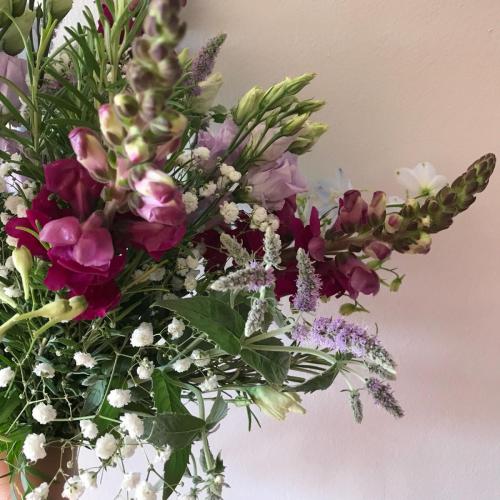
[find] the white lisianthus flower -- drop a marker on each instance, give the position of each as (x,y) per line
(128,447)
(89,429)
(132,424)
(45,370)
(6,376)
(145,369)
(130,481)
(190,201)
(229,212)
(209,384)
(39,493)
(119,397)
(200,358)
(142,336)
(422,180)
(176,328)
(34,447)
(181,365)
(89,479)
(106,446)
(44,413)
(73,488)
(84,359)
(144,491)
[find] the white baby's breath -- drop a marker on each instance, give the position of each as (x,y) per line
(119,397)
(84,359)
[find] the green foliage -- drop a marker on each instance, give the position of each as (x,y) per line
(177,430)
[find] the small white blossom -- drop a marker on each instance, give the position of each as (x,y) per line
(84,359)
(89,429)
(138,275)
(192,262)
(259,215)
(39,493)
(181,266)
(202,153)
(106,446)
(209,384)
(235,176)
(89,479)
(128,447)
(181,365)
(176,328)
(44,413)
(230,172)
(208,189)
(422,180)
(144,491)
(190,202)
(143,335)
(9,263)
(130,481)
(4,271)
(34,447)
(73,488)
(157,274)
(200,358)
(190,282)
(5,217)
(119,397)
(229,212)
(132,424)
(6,376)
(45,370)
(15,205)
(12,291)
(11,241)
(163,455)
(145,369)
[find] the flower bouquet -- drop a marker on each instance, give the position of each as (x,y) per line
(163,259)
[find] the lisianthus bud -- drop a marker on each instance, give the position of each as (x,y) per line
(90,153)
(209,89)
(5,12)
(248,105)
(393,223)
(18,7)
(308,137)
(111,126)
(294,125)
(12,42)
(126,105)
(23,262)
(309,106)
(295,85)
(136,148)
(274,403)
(59,8)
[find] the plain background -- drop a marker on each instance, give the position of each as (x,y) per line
(405,81)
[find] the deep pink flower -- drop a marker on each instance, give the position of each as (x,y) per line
(378,250)
(353,212)
(100,299)
(272,183)
(73,184)
(356,277)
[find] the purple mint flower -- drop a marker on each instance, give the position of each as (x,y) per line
(308,284)
(300,332)
(383,396)
(203,64)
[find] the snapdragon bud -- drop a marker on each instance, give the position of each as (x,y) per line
(248,105)
(393,223)
(111,126)
(23,262)
(136,147)
(294,124)
(126,105)
(90,153)
(422,245)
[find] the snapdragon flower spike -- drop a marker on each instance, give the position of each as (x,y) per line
(251,278)
(383,396)
(308,284)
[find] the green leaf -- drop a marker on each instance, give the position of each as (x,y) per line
(217,412)
(94,397)
(174,469)
(223,325)
(273,366)
(319,382)
(8,405)
(177,430)
(167,396)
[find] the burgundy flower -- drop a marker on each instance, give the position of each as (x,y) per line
(355,276)
(100,299)
(73,184)
(353,212)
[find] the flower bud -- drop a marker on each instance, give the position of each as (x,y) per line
(12,41)
(23,262)
(53,310)
(376,209)
(378,250)
(309,106)
(18,7)
(183,57)
(126,105)
(136,148)
(295,85)
(294,125)
(111,126)
(59,8)
(396,283)
(393,223)
(347,309)
(90,153)
(209,89)
(422,245)
(275,403)
(308,137)
(248,105)
(77,305)
(6,10)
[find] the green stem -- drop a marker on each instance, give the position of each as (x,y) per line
(297,350)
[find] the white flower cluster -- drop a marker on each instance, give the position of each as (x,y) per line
(84,359)
(190,201)
(44,413)
(229,172)
(261,219)
(145,369)
(142,336)
(229,211)
(176,328)
(6,376)
(209,189)
(145,274)
(188,267)
(119,397)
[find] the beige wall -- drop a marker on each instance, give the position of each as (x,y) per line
(405,80)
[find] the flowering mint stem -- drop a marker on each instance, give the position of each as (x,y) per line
(297,350)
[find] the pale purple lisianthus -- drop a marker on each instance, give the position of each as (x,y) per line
(271,184)
(14,69)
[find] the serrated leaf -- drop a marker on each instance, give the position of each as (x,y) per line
(272,365)
(177,430)
(223,325)
(166,395)
(319,382)
(94,397)
(217,412)
(174,469)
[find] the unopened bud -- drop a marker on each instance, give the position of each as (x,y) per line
(393,223)
(126,105)
(209,89)
(52,310)
(309,106)
(395,284)
(77,305)
(90,153)
(422,245)
(308,137)
(295,85)
(23,262)
(376,209)
(136,148)
(378,250)
(111,126)
(248,105)
(12,41)
(294,125)
(59,8)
